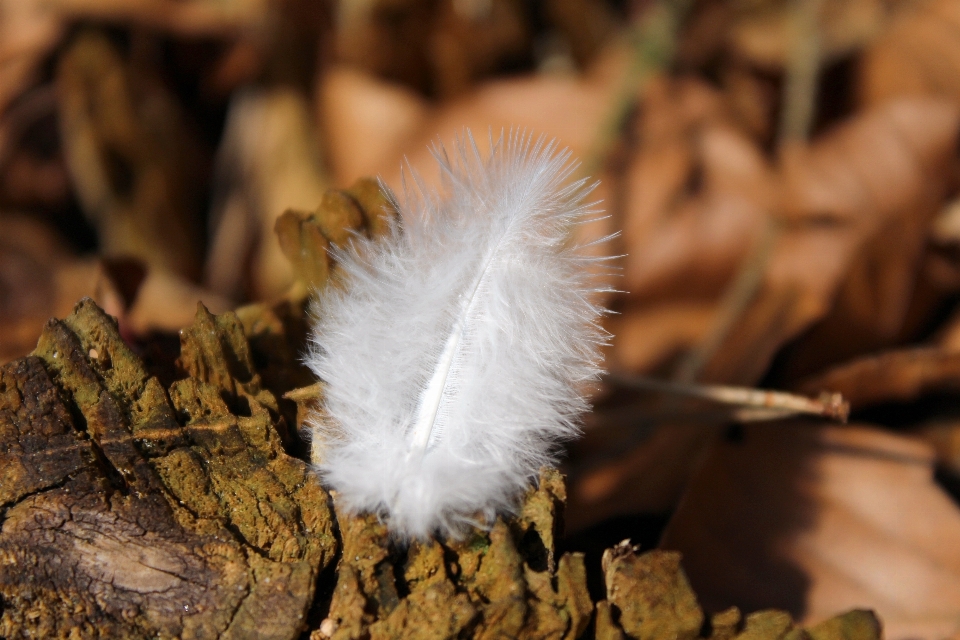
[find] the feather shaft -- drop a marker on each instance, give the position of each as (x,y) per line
(425,425)
(425,428)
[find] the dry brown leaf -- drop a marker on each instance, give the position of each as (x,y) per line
(857,205)
(444,47)
(567,108)
(755,41)
(882,178)
(838,214)
(918,55)
(40,278)
(30,30)
(926,377)
(387,38)
(693,199)
(677,233)
(818,519)
(648,337)
(364,120)
(902,375)
(190,18)
(859,199)
(268,162)
(32,175)
(166,302)
(586,24)
(26,283)
(474,38)
(646,478)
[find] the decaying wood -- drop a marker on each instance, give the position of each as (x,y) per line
(135,510)
(132,513)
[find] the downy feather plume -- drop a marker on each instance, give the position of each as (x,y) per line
(455,355)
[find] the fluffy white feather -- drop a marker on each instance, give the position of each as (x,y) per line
(455,354)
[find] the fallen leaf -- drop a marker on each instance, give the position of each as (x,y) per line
(364,120)
(815,519)
(28,31)
(900,375)
(677,233)
(867,230)
(472,40)
(540,105)
(192,18)
(586,24)
(268,162)
(918,55)
(445,48)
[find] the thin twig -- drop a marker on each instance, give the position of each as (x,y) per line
(758,404)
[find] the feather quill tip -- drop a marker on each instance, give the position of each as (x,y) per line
(455,356)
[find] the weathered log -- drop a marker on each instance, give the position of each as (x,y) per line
(134,509)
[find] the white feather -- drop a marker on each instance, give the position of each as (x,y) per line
(455,354)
